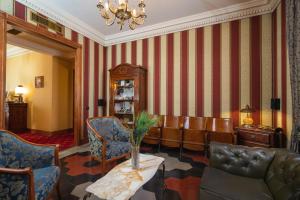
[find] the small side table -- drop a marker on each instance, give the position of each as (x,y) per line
(256,137)
(16,116)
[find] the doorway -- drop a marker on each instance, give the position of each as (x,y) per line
(44,104)
(44,39)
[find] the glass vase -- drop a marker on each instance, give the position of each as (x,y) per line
(135,157)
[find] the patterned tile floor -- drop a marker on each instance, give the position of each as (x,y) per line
(182,177)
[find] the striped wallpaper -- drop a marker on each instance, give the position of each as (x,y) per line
(209,71)
(216,70)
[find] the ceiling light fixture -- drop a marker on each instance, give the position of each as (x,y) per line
(109,10)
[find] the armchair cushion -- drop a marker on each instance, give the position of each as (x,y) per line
(120,133)
(117,148)
(18,154)
(14,186)
(45,180)
(219,185)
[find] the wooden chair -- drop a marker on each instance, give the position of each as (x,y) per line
(194,133)
(172,132)
(220,130)
(154,134)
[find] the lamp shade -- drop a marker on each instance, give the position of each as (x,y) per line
(20,90)
(247,109)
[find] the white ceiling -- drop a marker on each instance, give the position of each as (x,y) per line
(157,11)
(163,16)
(15,51)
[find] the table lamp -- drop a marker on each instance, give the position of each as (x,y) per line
(248,121)
(20,90)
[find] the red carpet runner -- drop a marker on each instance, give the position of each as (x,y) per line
(65,140)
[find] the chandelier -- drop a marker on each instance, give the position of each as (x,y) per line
(121,12)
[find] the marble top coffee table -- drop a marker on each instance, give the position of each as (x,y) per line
(122,181)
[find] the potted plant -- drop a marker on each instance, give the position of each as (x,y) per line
(142,124)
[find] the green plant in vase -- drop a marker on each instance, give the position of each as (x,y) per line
(142,124)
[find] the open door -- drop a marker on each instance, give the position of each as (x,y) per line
(5,20)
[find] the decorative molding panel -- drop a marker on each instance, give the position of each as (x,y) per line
(230,13)
(65,19)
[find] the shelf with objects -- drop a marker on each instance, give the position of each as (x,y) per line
(128,92)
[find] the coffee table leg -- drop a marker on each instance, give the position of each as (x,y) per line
(163,180)
(163,173)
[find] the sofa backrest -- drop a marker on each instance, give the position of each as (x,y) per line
(283,177)
(241,160)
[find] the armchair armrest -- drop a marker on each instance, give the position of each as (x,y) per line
(97,143)
(17,183)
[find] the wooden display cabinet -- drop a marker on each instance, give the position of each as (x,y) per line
(128,92)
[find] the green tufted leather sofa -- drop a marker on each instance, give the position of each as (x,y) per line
(244,173)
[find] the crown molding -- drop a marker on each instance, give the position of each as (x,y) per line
(62,17)
(226,14)
(230,13)
(16,51)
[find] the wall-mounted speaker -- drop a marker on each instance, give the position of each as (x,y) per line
(101,102)
(275,104)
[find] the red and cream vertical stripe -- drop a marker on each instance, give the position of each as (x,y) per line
(209,71)
(281,73)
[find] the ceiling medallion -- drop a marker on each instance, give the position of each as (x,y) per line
(109,10)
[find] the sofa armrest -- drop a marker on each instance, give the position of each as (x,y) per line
(17,183)
(241,160)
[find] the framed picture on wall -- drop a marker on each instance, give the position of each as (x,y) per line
(39,82)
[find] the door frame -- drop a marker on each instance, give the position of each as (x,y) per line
(6,19)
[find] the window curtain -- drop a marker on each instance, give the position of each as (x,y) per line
(293,33)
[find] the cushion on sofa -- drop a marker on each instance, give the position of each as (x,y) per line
(241,160)
(217,184)
(283,177)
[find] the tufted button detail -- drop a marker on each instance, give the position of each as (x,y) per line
(246,164)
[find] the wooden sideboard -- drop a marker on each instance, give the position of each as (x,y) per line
(16,116)
(256,137)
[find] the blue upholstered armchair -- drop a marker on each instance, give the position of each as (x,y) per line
(27,171)
(108,138)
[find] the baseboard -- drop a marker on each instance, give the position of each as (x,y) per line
(51,133)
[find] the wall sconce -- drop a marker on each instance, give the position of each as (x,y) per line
(248,121)
(20,90)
